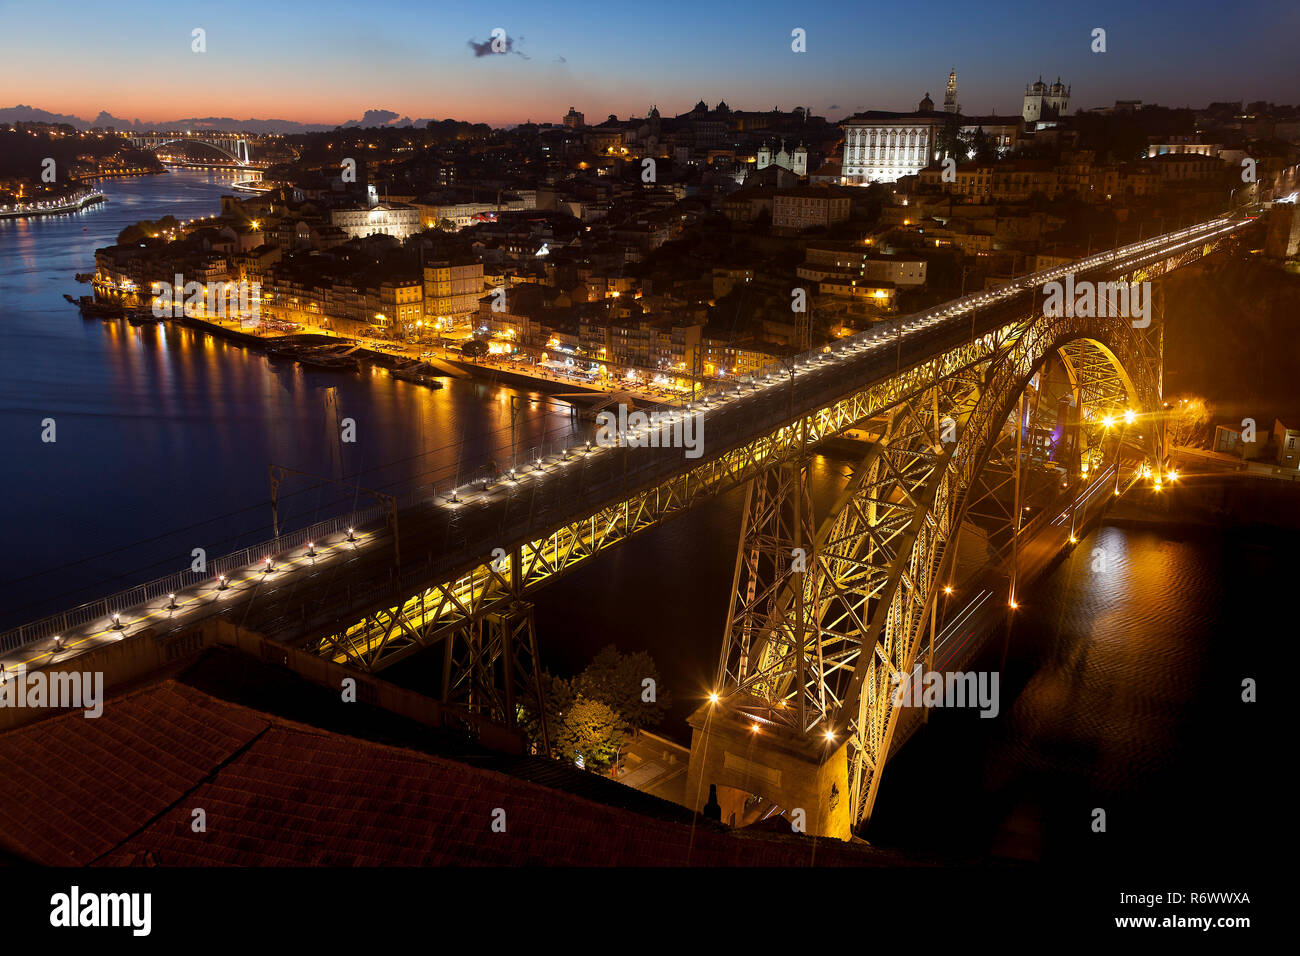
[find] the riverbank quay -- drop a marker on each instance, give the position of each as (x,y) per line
(522,375)
(447,363)
(372,352)
(524,378)
(120,174)
(1212,499)
(52,208)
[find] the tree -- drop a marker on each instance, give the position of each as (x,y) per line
(475,348)
(557,699)
(979,143)
(590,729)
(1187,421)
(132,234)
(627,683)
(948,140)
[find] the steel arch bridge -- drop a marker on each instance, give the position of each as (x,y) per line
(811,655)
(815,646)
(234,146)
(952,398)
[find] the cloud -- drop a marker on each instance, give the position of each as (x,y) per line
(560,59)
(833,106)
(485,48)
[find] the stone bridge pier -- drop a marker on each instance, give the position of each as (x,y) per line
(794,771)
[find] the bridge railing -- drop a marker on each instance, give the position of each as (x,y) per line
(1033,280)
(141,594)
(467,478)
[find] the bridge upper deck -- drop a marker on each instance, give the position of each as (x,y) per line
(442,537)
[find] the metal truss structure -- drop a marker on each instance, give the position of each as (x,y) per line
(821,651)
(389,633)
(823,615)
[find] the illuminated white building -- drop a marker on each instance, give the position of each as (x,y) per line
(883,147)
(387,218)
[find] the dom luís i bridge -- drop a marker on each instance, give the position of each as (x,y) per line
(982,422)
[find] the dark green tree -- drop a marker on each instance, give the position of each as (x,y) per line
(627,683)
(557,695)
(981,145)
(948,142)
(130,234)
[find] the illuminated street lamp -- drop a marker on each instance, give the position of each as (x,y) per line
(221,582)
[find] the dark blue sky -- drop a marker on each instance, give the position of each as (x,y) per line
(330,61)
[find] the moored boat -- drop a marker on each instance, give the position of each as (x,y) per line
(90,309)
(417,373)
(328,363)
(141,316)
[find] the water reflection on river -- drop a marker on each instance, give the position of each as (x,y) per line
(1122,690)
(164,434)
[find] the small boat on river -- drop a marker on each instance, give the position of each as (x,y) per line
(90,309)
(328,362)
(417,373)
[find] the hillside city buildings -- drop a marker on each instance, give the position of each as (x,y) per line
(674,246)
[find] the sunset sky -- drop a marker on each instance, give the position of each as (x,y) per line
(328,62)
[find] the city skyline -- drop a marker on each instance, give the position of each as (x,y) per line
(655,438)
(442,66)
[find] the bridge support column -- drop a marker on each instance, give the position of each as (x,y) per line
(491,666)
(774,559)
(807,781)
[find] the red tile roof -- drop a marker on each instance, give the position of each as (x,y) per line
(121,790)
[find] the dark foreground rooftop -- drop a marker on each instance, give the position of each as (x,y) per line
(122,790)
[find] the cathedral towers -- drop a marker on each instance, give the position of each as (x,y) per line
(1043,102)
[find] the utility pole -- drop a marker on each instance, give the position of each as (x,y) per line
(1015,520)
(514,418)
